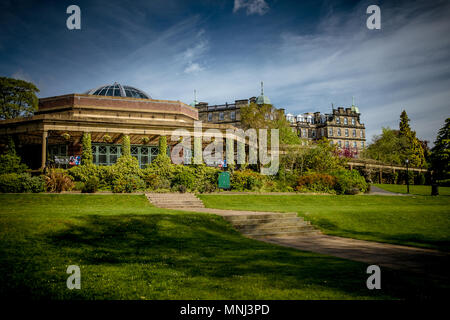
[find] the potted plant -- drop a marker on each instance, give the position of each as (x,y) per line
(66,136)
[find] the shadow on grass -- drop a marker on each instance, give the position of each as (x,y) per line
(207,246)
(412,239)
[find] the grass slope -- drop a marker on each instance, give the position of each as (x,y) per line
(128,249)
(416,221)
(413,189)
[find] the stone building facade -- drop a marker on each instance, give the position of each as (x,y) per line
(342,127)
(228,113)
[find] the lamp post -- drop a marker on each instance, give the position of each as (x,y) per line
(407,176)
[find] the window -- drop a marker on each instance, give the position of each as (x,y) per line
(339,143)
(233,115)
(305,133)
(330,132)
(362,144)
(321,132)
(346,132)
(314,133)
(354,132)
(210,117)
(362,133)
(354,144)
(221,116)
(339,132)
(338,120)
(346,144)
(345,121)
(353,121)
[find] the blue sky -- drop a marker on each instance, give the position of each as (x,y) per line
(308,53)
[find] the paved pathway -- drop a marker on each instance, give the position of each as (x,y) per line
(432,263)
(424,261)
(381,192)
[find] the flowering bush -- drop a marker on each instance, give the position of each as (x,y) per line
(316,182)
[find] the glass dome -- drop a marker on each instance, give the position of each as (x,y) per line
(117,90)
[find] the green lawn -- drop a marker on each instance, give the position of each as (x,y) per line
(413,189)
(128,249)
(416,220)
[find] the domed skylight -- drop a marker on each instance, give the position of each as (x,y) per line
(117,90)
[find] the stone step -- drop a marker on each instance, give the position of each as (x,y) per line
(173,201)
(245,228)
(180,206)
(261,216)
(170,195)
(276,229)
(268,222)
(283,233)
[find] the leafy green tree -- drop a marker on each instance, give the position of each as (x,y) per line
(323,157)
(87,156)
(411,146)
(266,116)
(10,162)
(385,147)
(440,153)
(17,98)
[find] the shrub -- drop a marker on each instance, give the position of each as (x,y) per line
(125,166)
(91,185)
(10,161)
(181,188)
(57,180)
(444,182)
(184,176)
(347,181)
(87,156)
(206,178)
(316,182)
(126,146)
(155,182)
(161,165)
(78,185)
(246,180)
(83,172)
(23,182)
(128,184)
(420,179)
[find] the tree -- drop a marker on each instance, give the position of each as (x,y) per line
(323,157)
(411,148)
(386,147)
(10,162)
(87,156)
(440,153)
(266,116)
(17,98)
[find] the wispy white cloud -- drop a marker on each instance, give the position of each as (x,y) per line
(251,6)
(193,68)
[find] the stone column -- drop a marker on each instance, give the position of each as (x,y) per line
(44,149)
